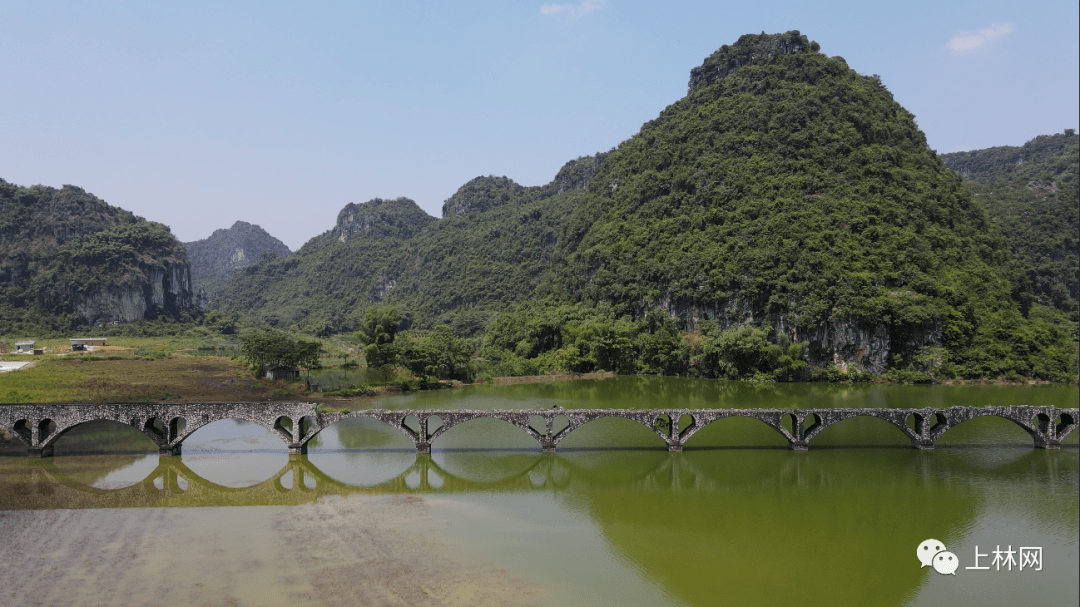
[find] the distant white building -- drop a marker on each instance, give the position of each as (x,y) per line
(24,347)
(80,344)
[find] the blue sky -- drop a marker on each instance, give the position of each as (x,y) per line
(197,114)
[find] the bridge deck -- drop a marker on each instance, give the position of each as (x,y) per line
(38,426)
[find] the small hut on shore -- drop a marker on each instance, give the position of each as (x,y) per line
(86,344)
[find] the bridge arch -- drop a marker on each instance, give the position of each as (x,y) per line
(496,437)
(711,428)
(864,429)
(382,434)
(979,423)
(67,431)
(598,425)
(191,426)
(23,430)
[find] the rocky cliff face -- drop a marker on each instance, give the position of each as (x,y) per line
(378,218)
(848,343)
(165,288)
(226,251)
(481,194)
(68,258)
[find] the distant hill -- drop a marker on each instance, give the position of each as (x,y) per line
(1031,194)
(322,284)
(786,209)
(69,259)
(495,241)
(215,259)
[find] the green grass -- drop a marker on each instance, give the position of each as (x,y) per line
(74,379)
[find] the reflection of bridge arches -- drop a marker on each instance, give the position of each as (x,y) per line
(44,485)
(167,424)
(172,483)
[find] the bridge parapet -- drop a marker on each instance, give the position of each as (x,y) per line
(38,426)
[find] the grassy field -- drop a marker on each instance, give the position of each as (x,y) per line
(117,377)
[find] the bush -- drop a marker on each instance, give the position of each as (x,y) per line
(360,390)
(276,348)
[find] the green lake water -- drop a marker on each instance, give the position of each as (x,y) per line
(614,519)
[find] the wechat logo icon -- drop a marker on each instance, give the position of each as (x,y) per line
(932,553)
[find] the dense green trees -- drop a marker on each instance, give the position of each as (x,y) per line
(784,199)
(378,332)
(270,348)
(795,191)
(430,355)
(1032,195)
(539,337)
(61,247)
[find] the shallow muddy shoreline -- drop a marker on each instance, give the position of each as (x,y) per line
(359,550)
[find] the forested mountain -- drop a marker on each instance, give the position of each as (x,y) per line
(1032,194)
(216,258)
(69,259)
(786,210)
(490,249)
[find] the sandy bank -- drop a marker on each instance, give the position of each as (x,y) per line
(360,550)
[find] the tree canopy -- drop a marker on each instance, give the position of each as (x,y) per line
(270,348)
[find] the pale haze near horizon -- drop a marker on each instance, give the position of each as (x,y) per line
(197,115)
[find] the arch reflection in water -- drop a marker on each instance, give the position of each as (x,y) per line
(234,453)
(107,472)
(361,452)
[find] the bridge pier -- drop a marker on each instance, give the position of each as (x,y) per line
(799,445)
(39,452)
(168,451)
(423,448)
(297,448)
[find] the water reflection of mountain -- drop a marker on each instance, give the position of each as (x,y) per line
(707,524)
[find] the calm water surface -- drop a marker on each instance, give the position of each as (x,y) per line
(614,519)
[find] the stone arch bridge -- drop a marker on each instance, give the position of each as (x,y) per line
(38,426)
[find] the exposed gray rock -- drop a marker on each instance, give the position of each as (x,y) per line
(481,194)
(168,288)
(378,218)
(225,252)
